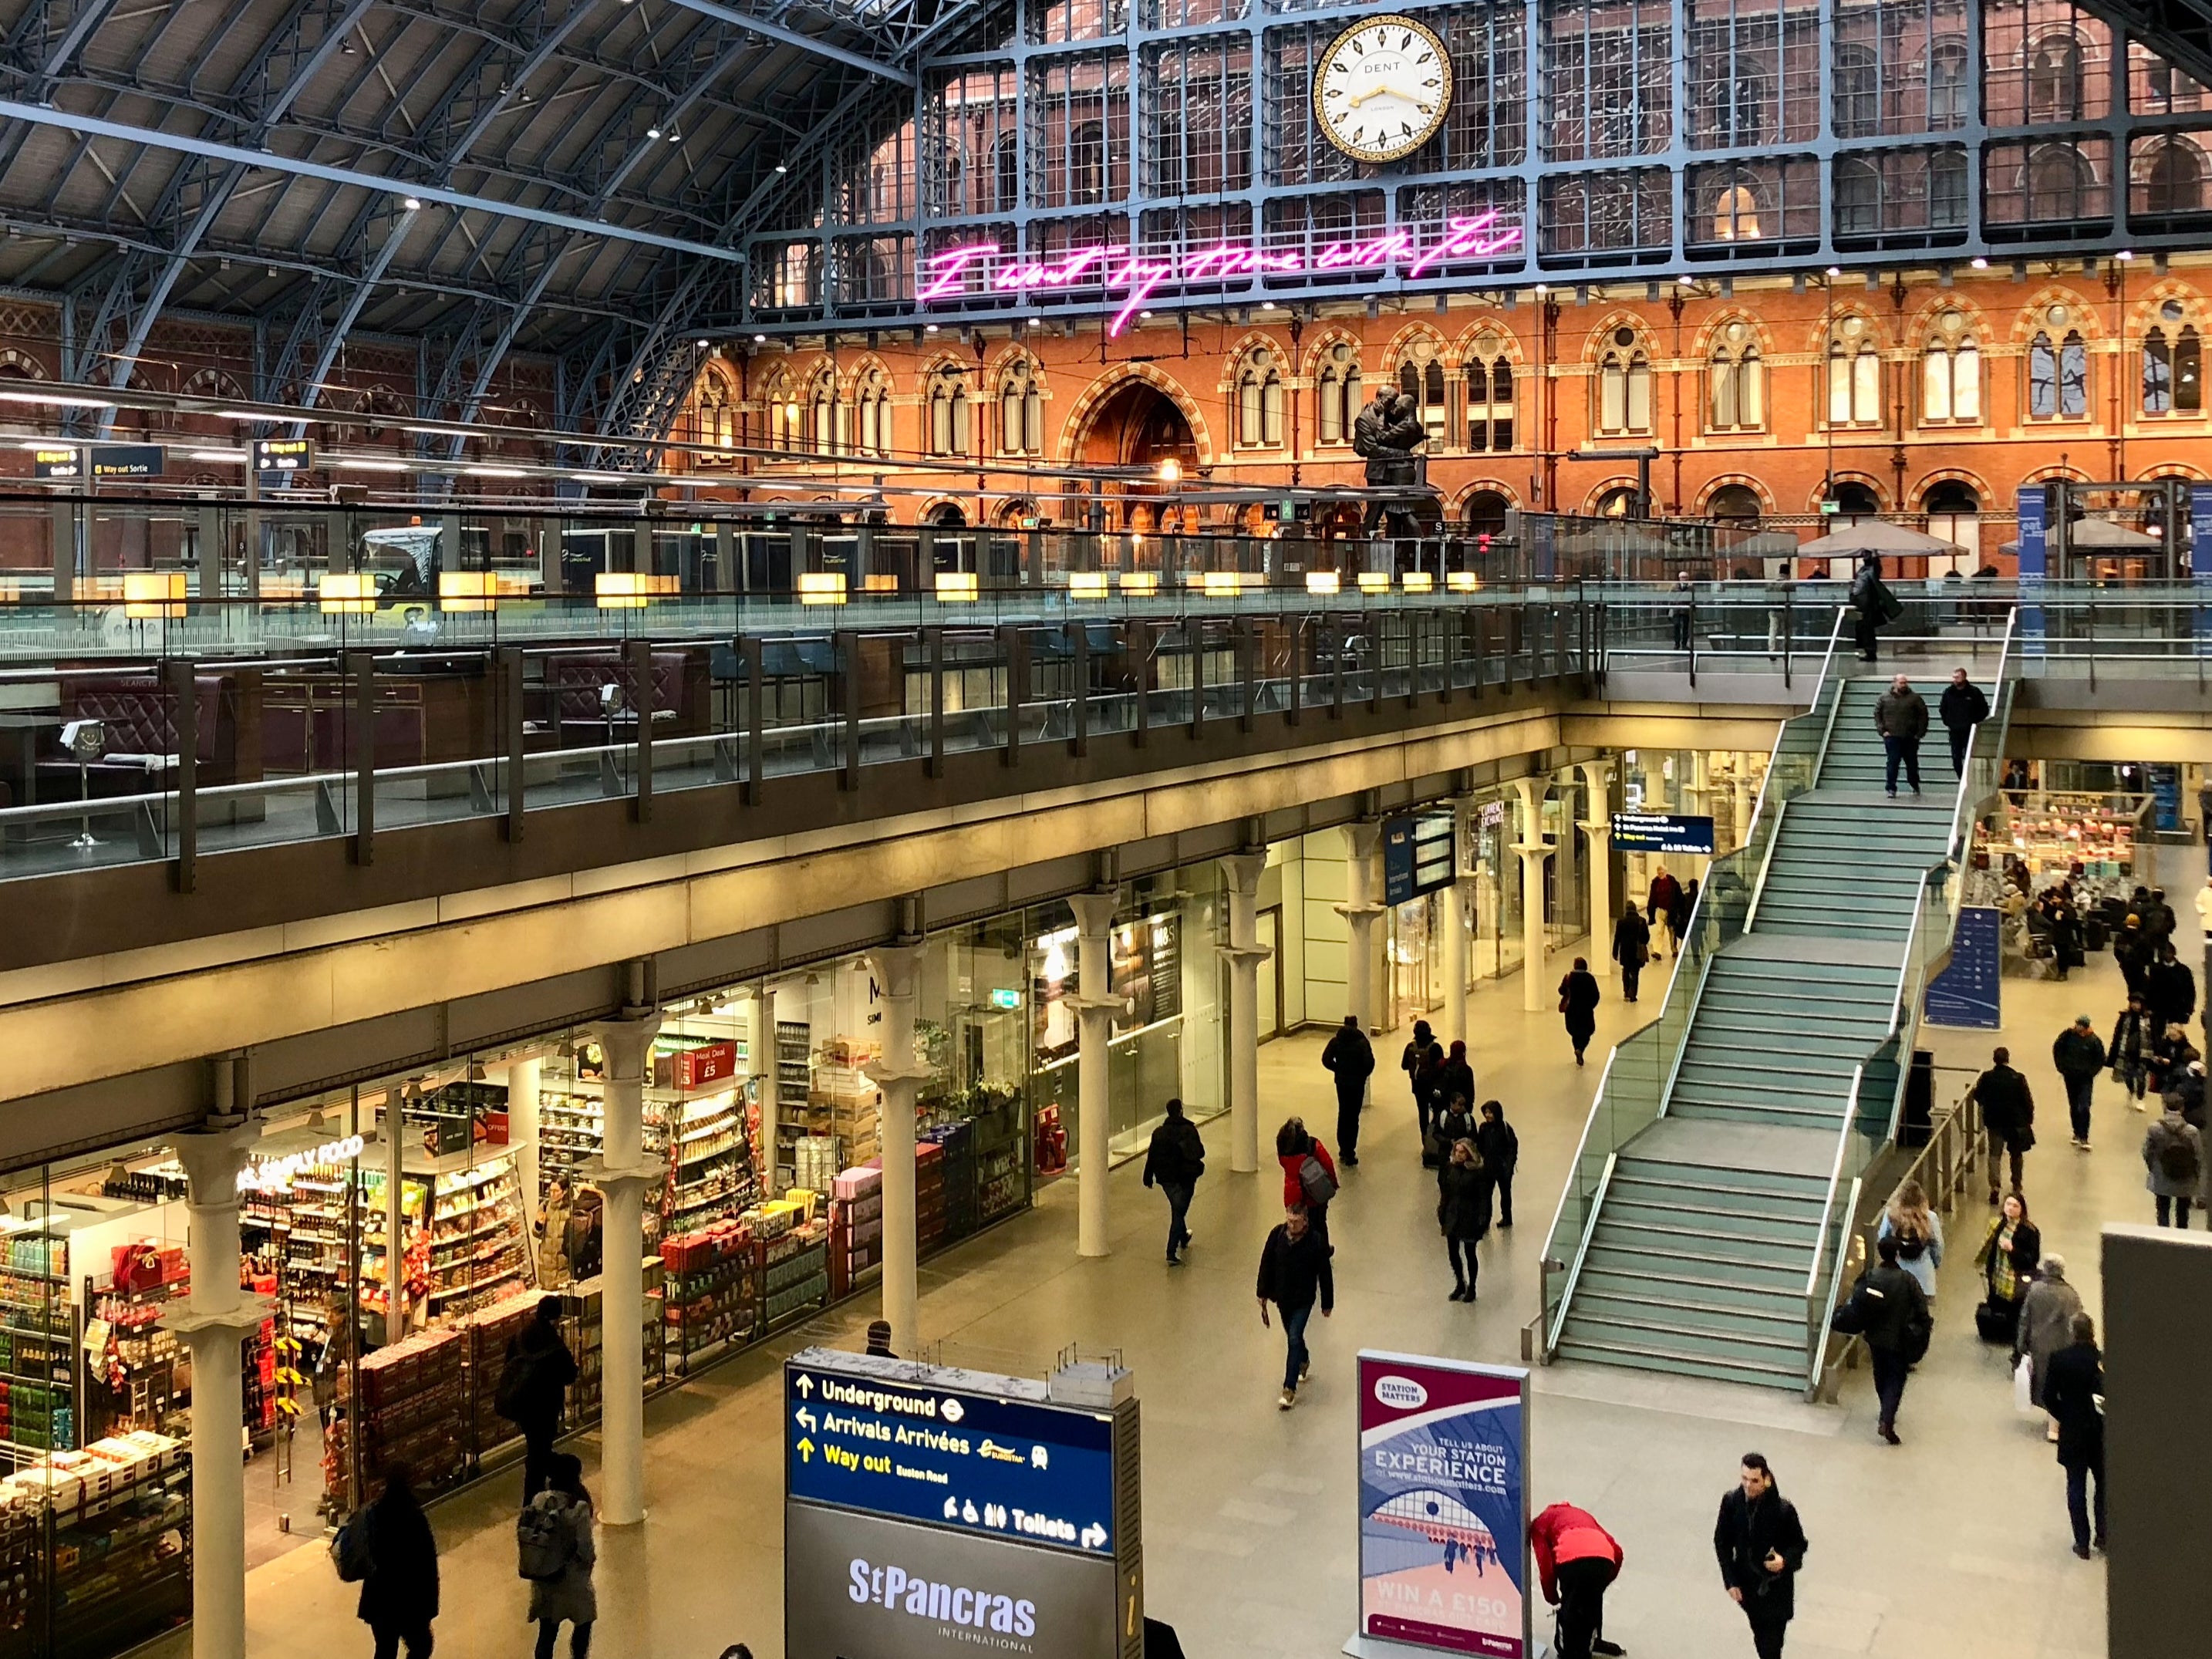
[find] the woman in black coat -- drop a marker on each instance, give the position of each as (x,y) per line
(1578,1003)
(2073,1381)
(1632,948)
(2008,1258)
(1462,1214)
(399,1596)
(2065,934)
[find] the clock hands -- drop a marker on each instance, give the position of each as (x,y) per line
(1386,90)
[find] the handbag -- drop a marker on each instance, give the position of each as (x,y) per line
(2023,1386)
(1849,1316)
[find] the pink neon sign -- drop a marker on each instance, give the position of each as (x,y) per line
(1134,278)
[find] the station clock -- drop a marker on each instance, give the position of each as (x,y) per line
(1382,88)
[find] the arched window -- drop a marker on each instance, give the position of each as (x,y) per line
(2169,176)
(1485,513)
(872,404)
(1857,91)
(2054,79)
(825,415)
(2061,184)
(1021,411)
(2173,364)
(1339,392)
(718,427)
(1617,502)
(1421,377)
(1006,167)
(2057,373)
(1954,513)
(1858,196)
(1736,215)
(1489,396)
(1854,375)
(1947,84)
(1855,500)
(1734,504)
(1946,189)
(1951,373)
(1087,161)
(950,430)
(1259,401)
(786,430)
(1737,393)
(1624,384)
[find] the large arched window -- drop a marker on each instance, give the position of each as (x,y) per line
(1954,513)
(1624,384)
(2173,364)
(1736,213)
(1736,504)
(1858,196)
(871,412)
(1736,393)
(718,423)
(1857,91)
(1087,161)
(1854,375)
(1021,411)
(825,421)
(2061,184)
(1260,400)
(1947,84)
(2169,176)
(1951,373)
(1617,502)
(1489,396)
(950,416)
(1338,390)
(1006,171)
(2057,371)
(1485,513)
(1421,377)
(786,430)
(2054,79)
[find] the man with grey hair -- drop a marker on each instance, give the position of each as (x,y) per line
(2046,1323)
(2079,1054)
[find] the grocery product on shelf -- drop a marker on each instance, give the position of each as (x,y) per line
(712,1289)
(95,1546)
(410,1408)
(582,1323)
(794,1273)
(38,1409)
(856,1226)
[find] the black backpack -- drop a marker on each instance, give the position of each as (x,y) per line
(511,1394)
(2178,1161)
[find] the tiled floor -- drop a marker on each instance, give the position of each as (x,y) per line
(1955,1545)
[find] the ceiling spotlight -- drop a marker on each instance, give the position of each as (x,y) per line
(675,137)
(932,329)
(652,132)
(759,339)
(780,167)
(1979,263)
(1266,305)
(1835,270)
(1683,281)
(705,345)
(412,203)
(2125,254)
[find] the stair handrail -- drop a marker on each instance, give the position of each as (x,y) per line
(1689,1020)
(1582,1253)
(1836,1175)
(1818,1314)
(2003,684)
(1574,1167)
(1759,887)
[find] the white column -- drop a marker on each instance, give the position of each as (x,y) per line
(1597,781)
(621,1174)
(899,1074)
(1535,981)
(767,1075)
(1457,901)
(1361,910)
(523,1080)
(1241,872)
(215,1318)
(1095,1008)
(1700,798)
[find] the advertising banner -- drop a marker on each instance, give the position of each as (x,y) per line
(1969,992)
(1444,1506)
(856,1587)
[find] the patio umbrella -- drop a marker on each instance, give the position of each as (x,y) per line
(1873,536)
(2098,533)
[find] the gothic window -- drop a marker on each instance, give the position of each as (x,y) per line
(2061,184)
(872,409)
(950,427)
(786,431)
(1489,397)
(2169,177)
(1858,196)
(1951,373)
(826,416)
(718,428)
(1736,215)
(2057,371)
(1021,411)
(1421,377)
(1339,394)
(1738,381)
(2173,364)
(2054,79)
(1259,401)
(1857,91)
(1624,384)
(1947,85)
(1854,375)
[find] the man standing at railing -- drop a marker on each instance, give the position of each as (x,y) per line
(1963,708)
(1901,716)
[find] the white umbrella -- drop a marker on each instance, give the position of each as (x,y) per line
(1873,536)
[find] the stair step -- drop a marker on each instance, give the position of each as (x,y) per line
(1677,1336)
(1807,1040)
(1700,1220)
(1699,1073)
(1655,1287)
(1645,1357)
(1706,1099)
(1694,1183)
(1769,1267)
(1788,1323)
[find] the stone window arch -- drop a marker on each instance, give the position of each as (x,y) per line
(951,412)
(1259,399)
(1488,377)
(1421,377)
(1951,373)
(2172,362)
(872,415)
(2057,368)
(1854,373)
(1735,380)
(1021,409)
(1624,383)
(1338,394)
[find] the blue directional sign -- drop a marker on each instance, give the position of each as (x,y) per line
(1662,832)
(1418,855)
(1968,992)
(1028,1473)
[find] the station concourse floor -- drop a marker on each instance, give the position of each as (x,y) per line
(1952,1546)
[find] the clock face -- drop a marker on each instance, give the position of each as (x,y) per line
(1382,88)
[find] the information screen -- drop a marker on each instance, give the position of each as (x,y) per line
(1418,855)
(1660,832)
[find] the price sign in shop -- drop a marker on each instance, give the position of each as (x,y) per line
(1029,1473)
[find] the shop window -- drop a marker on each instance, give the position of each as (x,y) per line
(1489,397)
(2058,372)
(1259,401)
(1021,411)
(2173,364)
(1951,373)
(1338,390)
(951,413)
(1623,386)
(1854,375)
(1737,379)
(1421,377)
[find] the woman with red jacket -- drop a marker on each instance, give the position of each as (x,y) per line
(1576,1559)
(1293,1147)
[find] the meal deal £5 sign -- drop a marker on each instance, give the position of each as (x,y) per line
(1443,1515)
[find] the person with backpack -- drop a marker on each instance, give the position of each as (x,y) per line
(2174,1156)
(1500,1149)
(2078,1053)
(1174,1160)
(1576,1561)
(1350,1059)
(1918,1231)
(1294,1271)
(2128,1053)
(387,1547)
(1463,1197)
(2008,1108)
(1761,1546)
(533,1388)
(1632,948)
(1578,999)
(1456,1081)
(1890,1310)
(555,1553)
(2072,1386)
(1453,1123)
(1309,1175)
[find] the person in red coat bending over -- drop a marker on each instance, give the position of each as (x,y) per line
(1577,1559)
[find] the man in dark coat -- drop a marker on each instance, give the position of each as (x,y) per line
(1350,1059)
(1411,1061)
(1900,715)
(2073,1381)
(2007,1116)
(1963,708)
(2170,988)
(1294,1272)
(1761,1547)
(1875,605)
(1386,434)
(1890,1303)
(2079,1054)
(1632,948)
(533,1386)
(400,1596)
(1175,1160)
(1578,1001)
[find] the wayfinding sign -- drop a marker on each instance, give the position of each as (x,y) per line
(1662,832)
(1418,855)
(1969,991)
(128,460)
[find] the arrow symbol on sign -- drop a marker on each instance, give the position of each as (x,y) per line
(806,1451)
(951,1508)
(806,1420)
(804,1385)
(1094,1536)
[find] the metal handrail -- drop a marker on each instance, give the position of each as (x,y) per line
(1835,1171)
(1581,1146)
(2004,662)
(1689,1020)
(1818,1312)
(1759,887)
(1582,1250)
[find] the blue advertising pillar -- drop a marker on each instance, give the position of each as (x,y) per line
(2034,565)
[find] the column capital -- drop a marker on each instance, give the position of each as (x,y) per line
(1597,775)
(1365,836)
(898,967)
(606,1173)
(1534,852)
(626,1042)
(1243,870)
(1358,913)
(1093,912)
(237,1323)
(1243,957)
(213,1159)
(1600,830)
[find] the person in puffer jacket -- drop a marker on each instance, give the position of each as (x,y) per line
(1576,1559)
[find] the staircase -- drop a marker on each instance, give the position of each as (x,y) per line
(1707,1239)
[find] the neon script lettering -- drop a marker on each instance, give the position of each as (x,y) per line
(986,267)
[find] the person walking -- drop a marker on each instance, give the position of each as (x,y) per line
(1918,1232)
(1632,948)
(554,1541)
(533,1387)
(1576,1561)
(1578,999)
(1309,1174)
(1430,1094)
(2174,1156)
(1294,1271)
(1874,602)
(2170,988)
(1761,1546)
(1963,707)
(2071,1389)
(1679,607)
(1456,1080)
(2079,1054)
(1500,1149)
(1666,891)
(1900,715)
(2130,1051)
(1174,1160)
(1463,1200)
(1409,1058)
(2131,951)
(2046,1324)
(1450,1125)
(1684,912)
(1892,1314)
(2172,1054)
(399,1591)
(2007,1108)
(2008,1258)
(1350,1059)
